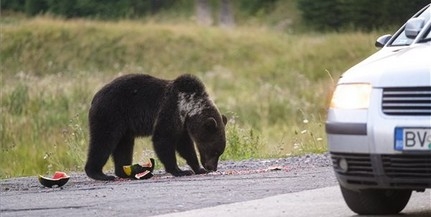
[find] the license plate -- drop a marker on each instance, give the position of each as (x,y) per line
(412,139)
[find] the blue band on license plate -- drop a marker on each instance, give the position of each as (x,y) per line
(412,139)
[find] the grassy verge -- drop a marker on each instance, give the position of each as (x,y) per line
(273,86)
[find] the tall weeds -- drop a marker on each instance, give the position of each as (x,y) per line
(267,82)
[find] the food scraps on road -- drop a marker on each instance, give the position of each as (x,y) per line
(58,179)
(140,171)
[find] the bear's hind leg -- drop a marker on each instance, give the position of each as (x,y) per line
(123,155)
(98,155)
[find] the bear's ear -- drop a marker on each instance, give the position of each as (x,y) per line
(210,124)
(224,119)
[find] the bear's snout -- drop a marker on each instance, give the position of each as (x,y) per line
(211,165)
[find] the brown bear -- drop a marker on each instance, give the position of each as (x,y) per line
(176,113)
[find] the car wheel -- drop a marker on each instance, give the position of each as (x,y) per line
(376,201)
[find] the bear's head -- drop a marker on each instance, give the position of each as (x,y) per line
(204,123)
(208,132)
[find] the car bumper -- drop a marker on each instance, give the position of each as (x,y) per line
(400,171)
(362,147)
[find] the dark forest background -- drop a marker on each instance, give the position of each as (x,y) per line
(314,14)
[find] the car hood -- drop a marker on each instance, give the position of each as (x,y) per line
(394,67)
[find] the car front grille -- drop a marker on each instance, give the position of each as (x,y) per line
(407,101)
(359,164)
(360,169)
(411,171)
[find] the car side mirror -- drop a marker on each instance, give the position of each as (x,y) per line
(382,40)
(413,27)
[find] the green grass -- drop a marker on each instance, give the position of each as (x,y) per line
(273,86)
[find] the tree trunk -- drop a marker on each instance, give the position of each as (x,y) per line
(203,13)
(226,19)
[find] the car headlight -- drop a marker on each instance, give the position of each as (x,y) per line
(351,96)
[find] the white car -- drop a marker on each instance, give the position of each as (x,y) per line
(379,122)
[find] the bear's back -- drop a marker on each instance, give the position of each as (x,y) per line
(131,86)
(131,101)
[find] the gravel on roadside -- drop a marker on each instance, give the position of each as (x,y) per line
(243,167)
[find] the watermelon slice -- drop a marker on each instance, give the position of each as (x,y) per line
(140,171)
(58,179)
(144,175)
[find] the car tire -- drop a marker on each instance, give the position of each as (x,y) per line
(376,201)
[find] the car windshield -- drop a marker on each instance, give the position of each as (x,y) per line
(402,40)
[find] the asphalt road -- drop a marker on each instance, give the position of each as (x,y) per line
(283,191)
(322,202)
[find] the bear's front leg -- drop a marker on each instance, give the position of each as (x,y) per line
(186,149)
(166,153)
